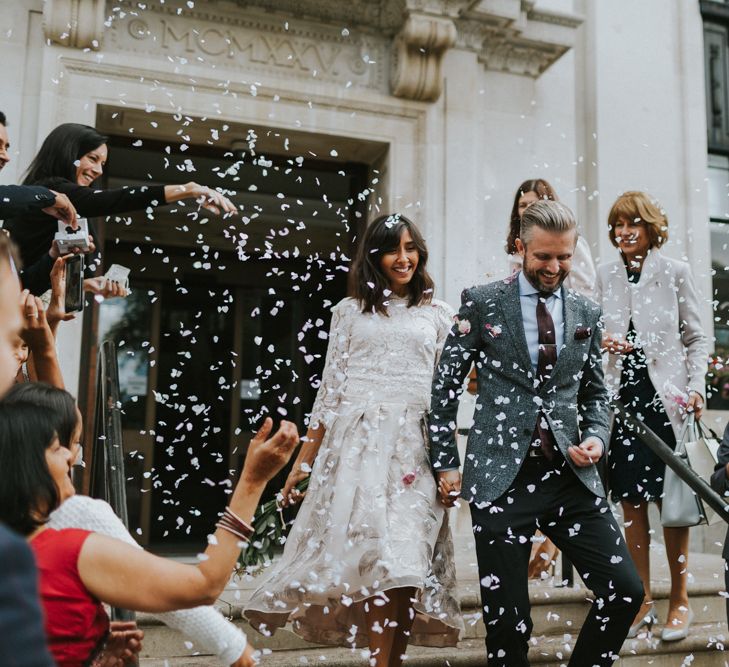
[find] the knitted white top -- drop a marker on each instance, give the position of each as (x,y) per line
(206,626)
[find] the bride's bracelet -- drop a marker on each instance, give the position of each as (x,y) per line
(233,524)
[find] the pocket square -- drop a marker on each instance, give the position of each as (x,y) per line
(581,333)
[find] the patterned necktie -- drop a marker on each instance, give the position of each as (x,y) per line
(545,366)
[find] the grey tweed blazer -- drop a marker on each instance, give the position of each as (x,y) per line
(490,332)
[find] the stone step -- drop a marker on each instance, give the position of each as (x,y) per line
(555,611)
(701,649)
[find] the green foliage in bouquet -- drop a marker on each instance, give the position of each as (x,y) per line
(269,531)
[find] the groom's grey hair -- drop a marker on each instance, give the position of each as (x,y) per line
(551,216)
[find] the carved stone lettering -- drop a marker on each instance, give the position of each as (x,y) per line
(256,43)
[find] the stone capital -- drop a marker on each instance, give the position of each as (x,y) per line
(417,53)
(75,23)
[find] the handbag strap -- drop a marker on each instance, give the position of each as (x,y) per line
(703,428)
(689,432)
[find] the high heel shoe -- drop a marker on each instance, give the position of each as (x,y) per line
(648,621)
(670,635)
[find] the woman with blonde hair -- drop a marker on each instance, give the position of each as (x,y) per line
(656,361)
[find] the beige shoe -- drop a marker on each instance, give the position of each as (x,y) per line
(648,621)
(670,635)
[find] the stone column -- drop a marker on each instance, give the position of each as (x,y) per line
(75,23)
(417,54)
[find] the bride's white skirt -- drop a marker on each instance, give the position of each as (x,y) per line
(370,522)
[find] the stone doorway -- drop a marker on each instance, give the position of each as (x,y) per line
(227,318)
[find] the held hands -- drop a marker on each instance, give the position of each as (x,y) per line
(587,453)
(449,487)
(266,456)
(615,344)
(63,209)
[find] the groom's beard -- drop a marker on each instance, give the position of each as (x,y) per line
(544,281)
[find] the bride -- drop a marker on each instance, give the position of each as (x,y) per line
(369,560)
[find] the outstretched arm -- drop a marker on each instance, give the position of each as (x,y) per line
(205,626)
(144,582)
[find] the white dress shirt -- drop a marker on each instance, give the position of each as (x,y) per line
(529,297)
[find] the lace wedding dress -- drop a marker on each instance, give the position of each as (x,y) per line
(370,520)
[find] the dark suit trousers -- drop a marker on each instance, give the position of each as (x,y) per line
(548,496)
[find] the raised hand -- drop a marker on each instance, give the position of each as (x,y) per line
(57,306)
(266,456)
(36,332)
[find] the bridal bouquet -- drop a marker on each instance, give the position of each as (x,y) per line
(269,530)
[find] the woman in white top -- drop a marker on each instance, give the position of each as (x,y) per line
(582,275)
(656,365)
(371,541)
(204,625)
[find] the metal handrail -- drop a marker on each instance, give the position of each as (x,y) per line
(107,479)
(684,471)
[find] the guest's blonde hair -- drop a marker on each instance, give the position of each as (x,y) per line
(642,207)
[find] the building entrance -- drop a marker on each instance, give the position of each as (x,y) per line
(227,318)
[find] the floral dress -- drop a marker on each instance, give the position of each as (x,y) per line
(371,520)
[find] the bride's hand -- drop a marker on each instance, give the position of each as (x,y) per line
(291,495)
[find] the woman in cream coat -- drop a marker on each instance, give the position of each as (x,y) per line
(656,362)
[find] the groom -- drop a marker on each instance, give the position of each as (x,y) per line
(541,424)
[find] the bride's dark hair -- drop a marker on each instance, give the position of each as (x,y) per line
(368,281)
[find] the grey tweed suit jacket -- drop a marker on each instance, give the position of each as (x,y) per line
(490,332)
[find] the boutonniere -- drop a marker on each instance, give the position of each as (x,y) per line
(464,326)
(493,330)
(581,333)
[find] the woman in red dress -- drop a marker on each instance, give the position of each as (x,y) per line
(80,569)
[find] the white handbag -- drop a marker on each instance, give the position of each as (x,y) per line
(703,457)
(681,507)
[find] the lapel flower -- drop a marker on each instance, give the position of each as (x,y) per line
(581,333)
(408,479)
(494,330)
(464,326)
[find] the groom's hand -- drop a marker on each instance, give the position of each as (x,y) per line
(449,487)
(586,453)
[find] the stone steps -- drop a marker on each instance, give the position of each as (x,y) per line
(698,650)
(555,612)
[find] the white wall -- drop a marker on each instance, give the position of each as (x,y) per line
(640,89)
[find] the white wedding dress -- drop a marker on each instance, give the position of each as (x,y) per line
(370,520)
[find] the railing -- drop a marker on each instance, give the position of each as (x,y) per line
(107,479)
